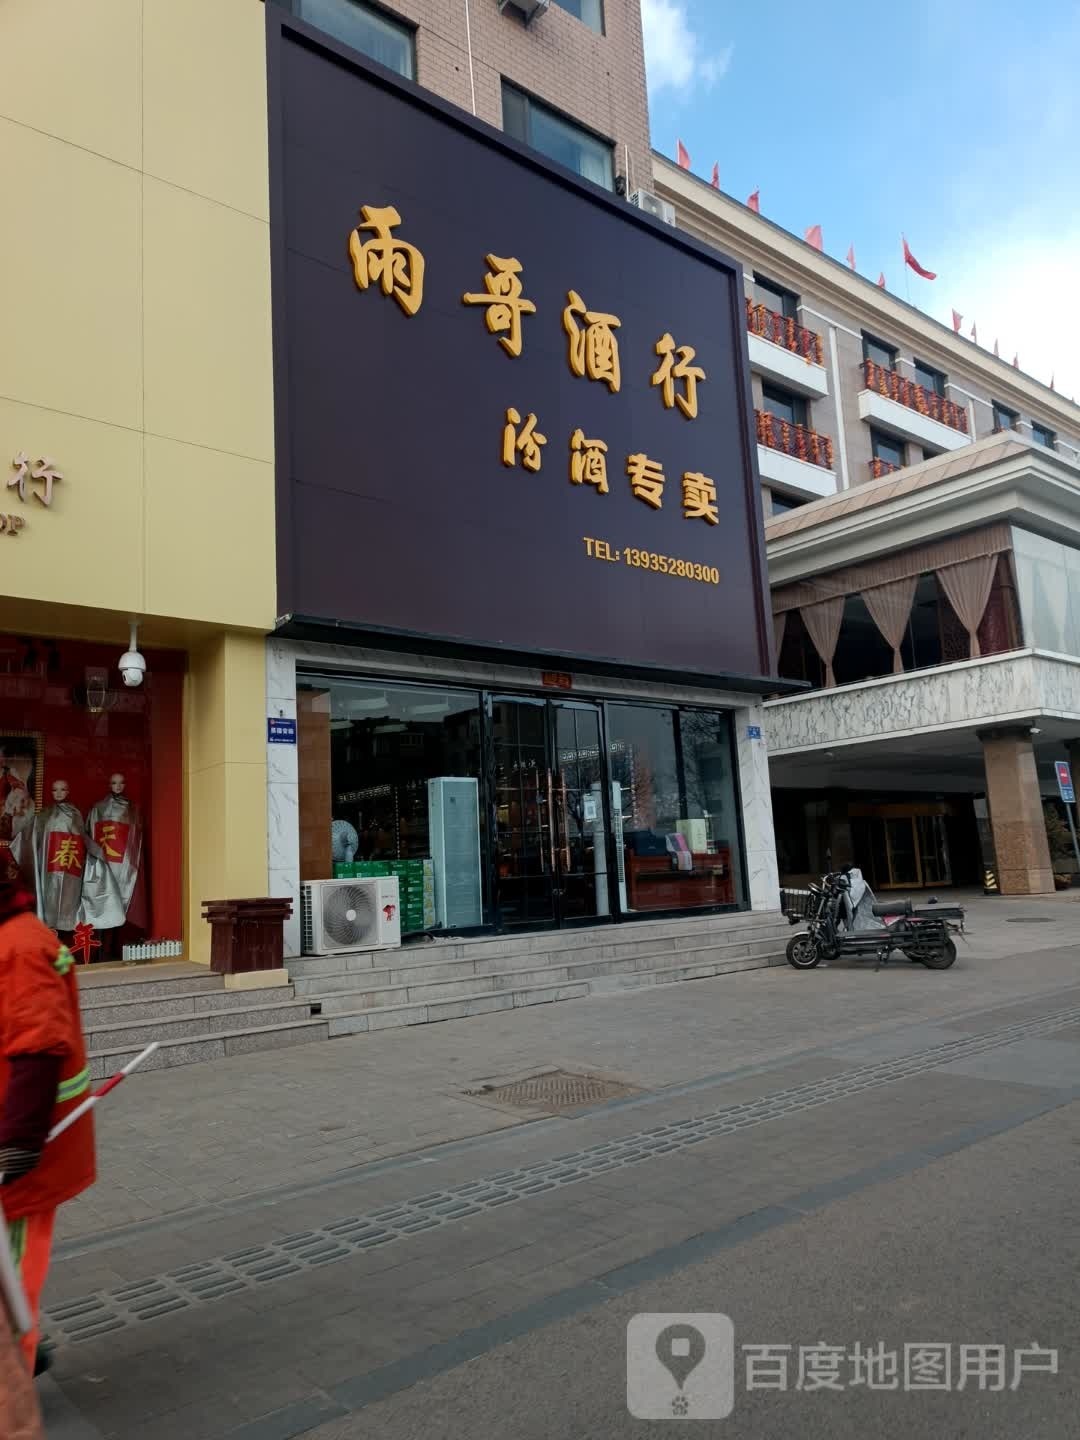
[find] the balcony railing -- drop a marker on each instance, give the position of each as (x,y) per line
(783,330)
(895,386)
(878,468)
(794,440)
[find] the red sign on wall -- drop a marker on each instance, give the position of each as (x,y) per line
(112,836)
(67,854)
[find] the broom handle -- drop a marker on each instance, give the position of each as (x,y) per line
(10,1285)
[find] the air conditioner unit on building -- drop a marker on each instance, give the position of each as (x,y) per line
(528,9)
(654,206)
(338,915)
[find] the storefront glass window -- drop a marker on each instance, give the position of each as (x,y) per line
(91,797)
(389,784)
(674,815)
(1048,584)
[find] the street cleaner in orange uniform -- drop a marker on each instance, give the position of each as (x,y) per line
(43,1075)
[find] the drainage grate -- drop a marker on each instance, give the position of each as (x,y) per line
(555,1091)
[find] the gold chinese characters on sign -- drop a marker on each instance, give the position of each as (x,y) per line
(505,302)
(525,442)
(383,260)
(395,266)
(594,346)
(671,369)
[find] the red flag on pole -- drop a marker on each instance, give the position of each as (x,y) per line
(754,202)
(974,333)
(812,236)
(909,259)
(997,352)
(716,176)
(682,155)
(957,321)
(881,279)
(851,256)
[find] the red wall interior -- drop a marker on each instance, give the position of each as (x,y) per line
(139,733)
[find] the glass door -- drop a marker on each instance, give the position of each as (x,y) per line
(523,852)
(580,829)
(550,823)
(903,852)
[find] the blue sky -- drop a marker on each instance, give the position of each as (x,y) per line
(954,121)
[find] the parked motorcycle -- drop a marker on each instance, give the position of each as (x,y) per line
(844,920)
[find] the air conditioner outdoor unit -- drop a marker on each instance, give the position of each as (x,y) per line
(654,206)
(528,9)
(337,915)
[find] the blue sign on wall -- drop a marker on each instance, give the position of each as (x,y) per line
(753,732)
(280,731)
(1065,782)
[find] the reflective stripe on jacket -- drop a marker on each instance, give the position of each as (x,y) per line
(39,1015)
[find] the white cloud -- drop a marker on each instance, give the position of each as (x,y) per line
(1020,289)
(673,52)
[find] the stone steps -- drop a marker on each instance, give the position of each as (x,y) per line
(190,1014)
(193,1017)
(190,1049)
(460,1007)
(137,1032)
(421,984)
(371,969)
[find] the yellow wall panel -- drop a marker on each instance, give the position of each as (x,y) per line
(207,365)
(204,71)
(227,702)
(209,535)
(70,68)
(227,849)
(86,548)
(70,269)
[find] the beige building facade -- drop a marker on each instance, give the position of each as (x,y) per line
(569,73)
(850,382)
(922,500)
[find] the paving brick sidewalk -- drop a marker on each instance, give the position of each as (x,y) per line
(206,1133)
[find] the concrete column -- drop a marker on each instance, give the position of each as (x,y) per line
(225,763)
(1016,814)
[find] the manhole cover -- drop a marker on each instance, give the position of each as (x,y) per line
(1028,919)
(556,1090)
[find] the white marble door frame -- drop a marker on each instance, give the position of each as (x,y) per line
(283,809)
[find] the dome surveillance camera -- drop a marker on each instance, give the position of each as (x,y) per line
(132,667)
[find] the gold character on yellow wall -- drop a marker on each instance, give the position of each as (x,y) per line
(699,498)
(44,470)
(594,346)
(671,369)
(526,442)
(646,479)
(505,302)
(588,462)
(395,266)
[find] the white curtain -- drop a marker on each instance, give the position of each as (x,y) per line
(822,623)
(890,608)
(967,587)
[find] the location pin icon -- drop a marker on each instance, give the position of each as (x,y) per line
(680,1349)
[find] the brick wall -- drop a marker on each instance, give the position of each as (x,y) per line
(598,80)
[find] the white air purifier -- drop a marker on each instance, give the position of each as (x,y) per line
(339,915)
(454,824)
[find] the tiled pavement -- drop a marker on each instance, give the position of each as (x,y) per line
(259,1301)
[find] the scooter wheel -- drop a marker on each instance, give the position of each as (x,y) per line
(941,959)
(802,953)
